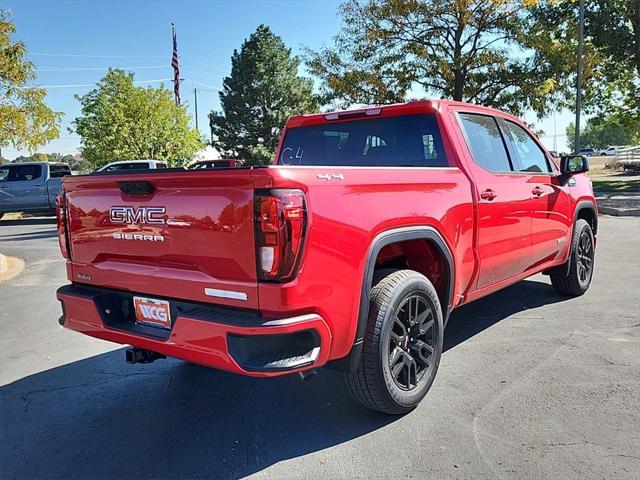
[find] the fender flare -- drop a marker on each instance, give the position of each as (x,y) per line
(383,239)
(582,205)
(586,205)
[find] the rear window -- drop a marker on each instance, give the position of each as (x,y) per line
(213,164)
(403,141)
(128,166)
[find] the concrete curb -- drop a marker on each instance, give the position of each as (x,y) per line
(619,212)
(619,204)
(10,267)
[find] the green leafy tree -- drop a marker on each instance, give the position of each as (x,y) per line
(34,157)
(263,90)
(611,79)
(466,50)
(120,121)
(602,132)
(25,120)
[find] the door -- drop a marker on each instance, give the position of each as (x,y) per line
(551,218)
(22,187)
(504,202)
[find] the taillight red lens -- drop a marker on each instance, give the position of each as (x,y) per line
(61,213)
(281,220)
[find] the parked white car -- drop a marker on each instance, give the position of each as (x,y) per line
(132,165)
(609,151)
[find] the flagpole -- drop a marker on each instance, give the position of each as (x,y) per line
(176,65)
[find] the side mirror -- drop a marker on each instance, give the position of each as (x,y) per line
(572,164)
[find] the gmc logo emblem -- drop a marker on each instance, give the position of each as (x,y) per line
(128,215)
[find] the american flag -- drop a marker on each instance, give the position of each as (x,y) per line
(176,67)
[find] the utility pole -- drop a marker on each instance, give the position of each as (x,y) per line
(195,97)
(555,133)
(579,79)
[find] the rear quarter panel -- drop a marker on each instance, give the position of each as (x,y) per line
(345,214)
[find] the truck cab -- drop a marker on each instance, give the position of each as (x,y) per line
(29,187)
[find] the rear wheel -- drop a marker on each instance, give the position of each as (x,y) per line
(578,278)
(402,345)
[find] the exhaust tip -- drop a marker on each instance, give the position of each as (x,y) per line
(308,375)
(130,355)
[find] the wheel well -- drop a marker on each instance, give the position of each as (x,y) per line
(421,255)
(589,215)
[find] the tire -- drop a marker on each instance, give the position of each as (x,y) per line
(581,262)
(397,367)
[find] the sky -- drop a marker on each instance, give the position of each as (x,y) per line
(72,43)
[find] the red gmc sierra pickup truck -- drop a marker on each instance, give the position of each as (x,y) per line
(350,251)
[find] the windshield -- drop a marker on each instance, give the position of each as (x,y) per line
(409,140)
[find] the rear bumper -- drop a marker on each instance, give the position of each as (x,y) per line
(225,339)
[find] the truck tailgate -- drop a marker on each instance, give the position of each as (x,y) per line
(185,234)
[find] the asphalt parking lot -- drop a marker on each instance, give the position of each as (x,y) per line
(531,385)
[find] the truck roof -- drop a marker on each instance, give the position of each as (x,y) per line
(406,108)
(34,163)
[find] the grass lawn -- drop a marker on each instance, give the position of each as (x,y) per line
(620,184)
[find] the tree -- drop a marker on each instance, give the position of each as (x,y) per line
(120,121)
(263,90)
(466,50)
(25,120)
(611,79)
(34,157)
(602,132)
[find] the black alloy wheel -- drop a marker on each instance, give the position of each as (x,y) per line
(411,342)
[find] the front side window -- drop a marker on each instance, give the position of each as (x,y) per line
(529,155)
(403,141)
(26,173)
(4,174)
(485,142)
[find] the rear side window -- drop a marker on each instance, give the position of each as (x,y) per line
(403,141)
(161,165)
(485,142)
(26,173)
(57,171)
(529,155)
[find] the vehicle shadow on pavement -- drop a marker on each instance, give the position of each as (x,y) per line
(102,418)
(29,236)
(29,221)
(471,319)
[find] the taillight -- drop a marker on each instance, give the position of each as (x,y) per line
(280,224)
(63,234)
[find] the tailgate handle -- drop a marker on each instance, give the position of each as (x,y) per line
(136,188)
